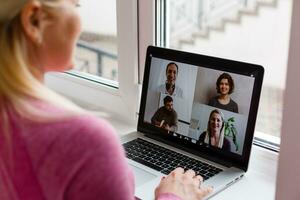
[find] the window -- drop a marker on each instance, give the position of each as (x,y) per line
(97,47)
(250,31)
(203,26)
(116,90)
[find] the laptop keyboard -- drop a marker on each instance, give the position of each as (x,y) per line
(165,160)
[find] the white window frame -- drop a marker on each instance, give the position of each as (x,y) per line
(147,32)
(124,100)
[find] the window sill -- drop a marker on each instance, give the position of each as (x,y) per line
(260,180)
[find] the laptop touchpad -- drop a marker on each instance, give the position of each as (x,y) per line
(141,176)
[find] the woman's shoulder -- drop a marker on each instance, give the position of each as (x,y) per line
(76,135)
(87,123)
(59,130)
(71,123)
(202,136)
(51,124)
(49,120)
(234,106)
(81,128)
(233,102)
(226,144)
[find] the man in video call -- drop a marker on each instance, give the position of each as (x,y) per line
(166,117)
(169,87)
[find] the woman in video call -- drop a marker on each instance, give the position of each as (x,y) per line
(214,135)
(49,147)
(225,87)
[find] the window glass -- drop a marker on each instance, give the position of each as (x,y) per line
(255,31)
(96,54)
(105,35)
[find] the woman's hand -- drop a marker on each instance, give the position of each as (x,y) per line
(185,185)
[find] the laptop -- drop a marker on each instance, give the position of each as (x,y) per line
(197,112)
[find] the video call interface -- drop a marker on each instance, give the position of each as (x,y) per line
(204,106)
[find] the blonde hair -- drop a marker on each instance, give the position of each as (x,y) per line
(20,88)
(19,83)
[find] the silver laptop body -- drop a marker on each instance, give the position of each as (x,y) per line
(196,88)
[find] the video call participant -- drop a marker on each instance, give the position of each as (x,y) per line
(169,87)
(214,135)
(166,117)
(225,87)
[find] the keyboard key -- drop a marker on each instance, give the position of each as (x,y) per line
(148,164)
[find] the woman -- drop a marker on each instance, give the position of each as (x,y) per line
(225,87)
(49,148)
(214,135)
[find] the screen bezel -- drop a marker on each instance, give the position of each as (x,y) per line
(242,68)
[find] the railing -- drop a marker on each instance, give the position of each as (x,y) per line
(100,55)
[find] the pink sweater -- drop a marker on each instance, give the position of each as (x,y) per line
(79,158)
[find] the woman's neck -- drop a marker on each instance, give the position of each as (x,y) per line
(224,99)
(214,140)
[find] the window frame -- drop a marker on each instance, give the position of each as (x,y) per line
(123,101)
(147,31)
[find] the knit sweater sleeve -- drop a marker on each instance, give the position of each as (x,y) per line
(79,158)
(102,171)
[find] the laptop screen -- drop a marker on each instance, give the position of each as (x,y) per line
(203,101)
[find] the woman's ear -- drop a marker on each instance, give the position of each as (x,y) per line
(31,20)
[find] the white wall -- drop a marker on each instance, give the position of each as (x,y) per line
(288,177)
(261,39)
